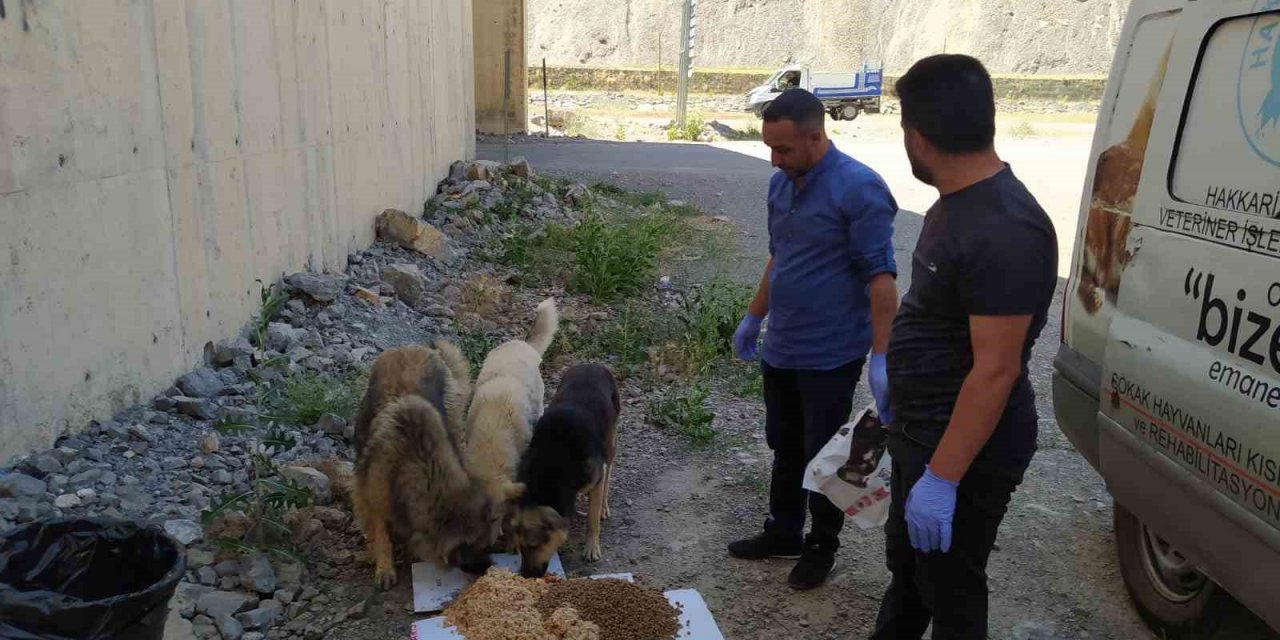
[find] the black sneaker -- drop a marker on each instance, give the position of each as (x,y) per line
(815,565)
(766,545)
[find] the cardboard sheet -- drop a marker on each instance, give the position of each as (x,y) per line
(433,588)
(696,621)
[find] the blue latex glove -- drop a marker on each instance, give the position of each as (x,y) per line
(878,379)
(930,508)
(747,336)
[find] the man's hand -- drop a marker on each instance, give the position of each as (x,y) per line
(878,380)
(930,508)
(747,337)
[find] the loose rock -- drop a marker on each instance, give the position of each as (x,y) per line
(229,627)
(411,233)
(406,281)
(258,574)
(184,531)
(225,603)
(66,501)
(201,383)
(198,408)
(19,485)
(263,617)
(312,479)
(321,288)
(210,444)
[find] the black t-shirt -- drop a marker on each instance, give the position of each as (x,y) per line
(987,250)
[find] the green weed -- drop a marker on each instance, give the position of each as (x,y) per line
(1023,129)
(305,399)
(620,134)
(693,125)
(624,341)
(267,501)
(684,410)
(708,316)
(271,299)
(617,257)
(476,345)
(742,379)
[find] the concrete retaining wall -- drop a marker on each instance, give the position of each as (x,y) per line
(158,156)
(732,82)
(499,27)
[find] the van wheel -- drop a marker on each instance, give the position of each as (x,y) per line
(849,112)
(1173,597)
(760,111)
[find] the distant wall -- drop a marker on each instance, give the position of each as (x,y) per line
(730,82)
(500,31)
(157,157)
(1009,36)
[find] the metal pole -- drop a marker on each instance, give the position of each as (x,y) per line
(506,106)
(682,82)
(546,111)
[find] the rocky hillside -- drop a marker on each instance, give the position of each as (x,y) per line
(1011,36)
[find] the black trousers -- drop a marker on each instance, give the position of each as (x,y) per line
(803,409)
(949,589)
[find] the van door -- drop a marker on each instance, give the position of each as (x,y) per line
(1120,138)
(1189,429)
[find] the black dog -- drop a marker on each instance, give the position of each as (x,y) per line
(571,452)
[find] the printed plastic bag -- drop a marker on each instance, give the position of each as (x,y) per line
(853,470)
(87,580)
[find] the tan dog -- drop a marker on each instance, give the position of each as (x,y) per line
(410,478)
(508,400)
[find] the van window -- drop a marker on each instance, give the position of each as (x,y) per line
(1228,155)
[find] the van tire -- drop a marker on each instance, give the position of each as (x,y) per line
(760,112)
(848,112)
(1194,610)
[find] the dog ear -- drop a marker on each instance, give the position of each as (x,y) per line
(514,490)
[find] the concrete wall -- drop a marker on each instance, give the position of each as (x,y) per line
(500,27)
(156,156)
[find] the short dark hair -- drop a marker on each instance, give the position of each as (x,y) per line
(949,100)
(798,106)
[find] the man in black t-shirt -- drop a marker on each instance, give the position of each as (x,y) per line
(964,419)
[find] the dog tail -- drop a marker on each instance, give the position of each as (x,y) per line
(453,358)
(544,326)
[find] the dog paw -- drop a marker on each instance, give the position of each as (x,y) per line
(385,578)
(604,513)
(592,554)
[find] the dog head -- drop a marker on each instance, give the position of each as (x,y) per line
(537,532)
(466,536)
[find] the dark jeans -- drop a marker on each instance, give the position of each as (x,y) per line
(948,588)
(803,410)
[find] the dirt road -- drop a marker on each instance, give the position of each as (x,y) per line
(1054,572)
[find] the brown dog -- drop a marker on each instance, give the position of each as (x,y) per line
(410,478)
(572,452)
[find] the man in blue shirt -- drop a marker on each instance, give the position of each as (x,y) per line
(830,293)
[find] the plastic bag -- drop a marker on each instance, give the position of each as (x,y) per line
(87,579)
(853,470)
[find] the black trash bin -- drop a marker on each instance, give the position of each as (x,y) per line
(87,579)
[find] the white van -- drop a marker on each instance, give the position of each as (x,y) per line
(1168,378)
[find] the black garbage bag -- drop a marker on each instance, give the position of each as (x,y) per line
(86,579)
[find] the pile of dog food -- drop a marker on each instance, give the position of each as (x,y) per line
(623,610)
(503,606)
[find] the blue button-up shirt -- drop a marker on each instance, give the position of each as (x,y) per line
(827,240)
